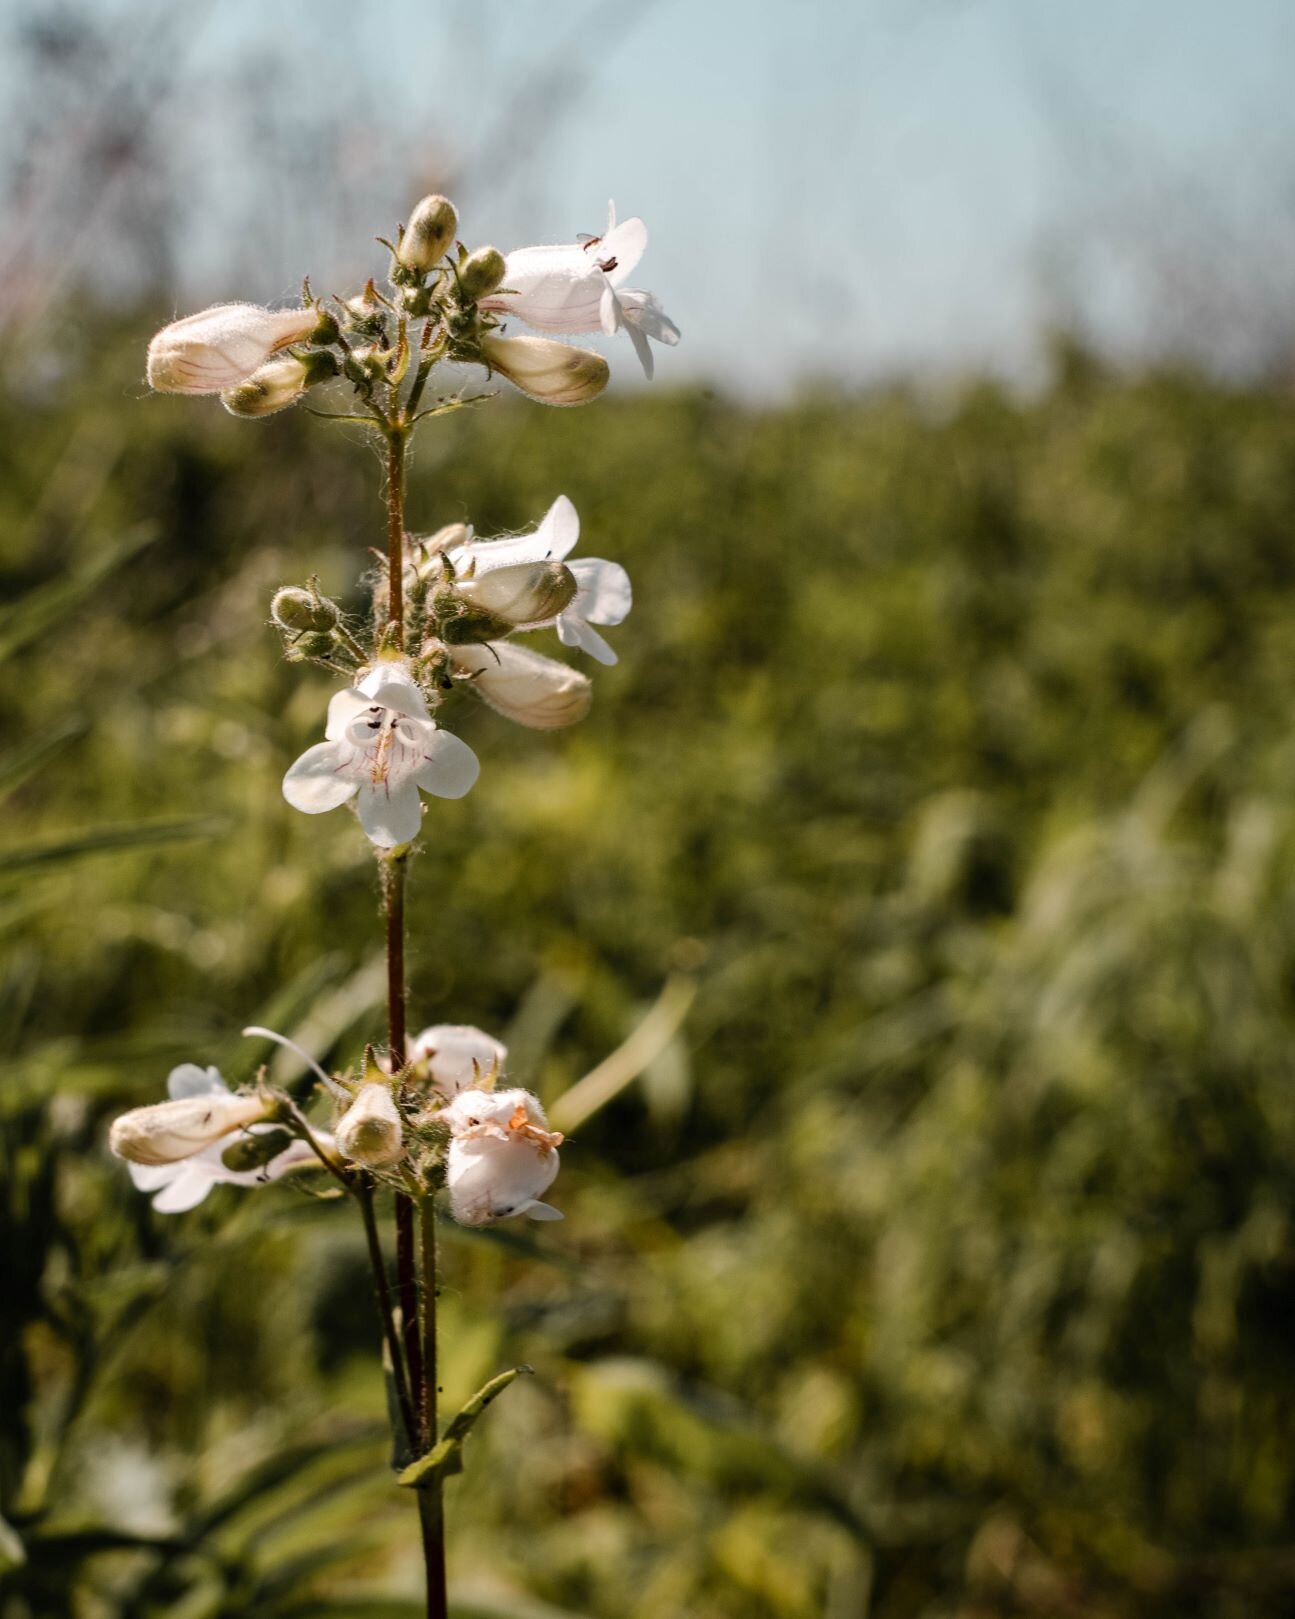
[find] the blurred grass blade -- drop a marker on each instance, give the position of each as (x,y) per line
(28,618)
(108,840)
(18,765)
(648,1040)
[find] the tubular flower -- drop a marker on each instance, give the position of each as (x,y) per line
(580,287)
(457,1057)
(202,1111)
(525,686)
(381,747)
(182,1182)
(603,593)
(220,347)
(502,1156)
(553,373)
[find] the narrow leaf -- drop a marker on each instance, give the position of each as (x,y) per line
(446,1458)
(106,839)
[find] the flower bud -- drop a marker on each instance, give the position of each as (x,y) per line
(254,1151)
(220,347)
(454,1057)
(295,609)
(311,644)
(525,593)
(370,1131)
(553,373)
(165,1132)
(525,686)
(460,623)
(430,230)
(481,273)
(279,384)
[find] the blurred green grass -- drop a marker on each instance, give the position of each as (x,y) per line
(944,1265)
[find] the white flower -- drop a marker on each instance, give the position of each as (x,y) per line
(580,287)
(201,1112)
(603,594)
(502,1156)
(553,373)
(370,1132)
(458,1057)
(183,1183)
(523,685)
(270,388)
(381,747)
(222,346)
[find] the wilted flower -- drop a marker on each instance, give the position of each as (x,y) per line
(553,373)
(603,594)
(217,349)
(201,1111)
(579,287)
(502,1156)
(525,686)
(381,747)
(457,1057)
(370,1131)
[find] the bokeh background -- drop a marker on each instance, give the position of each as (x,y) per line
(940,1262)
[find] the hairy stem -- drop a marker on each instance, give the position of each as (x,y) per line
(383,1289)
(396,435)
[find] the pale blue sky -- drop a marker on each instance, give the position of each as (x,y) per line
(848,190)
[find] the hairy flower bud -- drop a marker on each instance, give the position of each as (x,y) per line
(553,373)
(481,273)
(254,1151)
(295,609)
(429,233)
(220,347)
(526,594)
(168,1131)
(278,384)
(370,1131)
(525,686)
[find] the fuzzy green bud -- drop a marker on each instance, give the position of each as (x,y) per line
(295,610)
(279,383)
(255,1151)
(481,273)
(314,644)
(523,594)
(428,235)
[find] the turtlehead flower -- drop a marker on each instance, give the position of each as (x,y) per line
(182,1182)
(580,287)
(502,1156)
(217,349)
(381,747)
(525,686)
(370,1131)
(457,1057)
(202,1111)
(603,594)
(553,373)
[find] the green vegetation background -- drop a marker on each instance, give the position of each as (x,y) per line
(943,1266)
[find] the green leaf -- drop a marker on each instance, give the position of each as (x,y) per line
(446,1458)
(107,840)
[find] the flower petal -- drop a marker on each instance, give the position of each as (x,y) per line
(391,684)
(390,815)
(575,631)
(449,766)
(315,783)
(190,1080)
(186,1191)
(626,243)
(535,1210)
(643,349)
(343,708)
(609,310)
(605,595)
(559,529)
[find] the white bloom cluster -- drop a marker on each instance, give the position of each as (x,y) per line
(381,743)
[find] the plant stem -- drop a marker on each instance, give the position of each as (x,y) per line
(383,1289)
(427,1415)
(419,1402)
(396,530)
